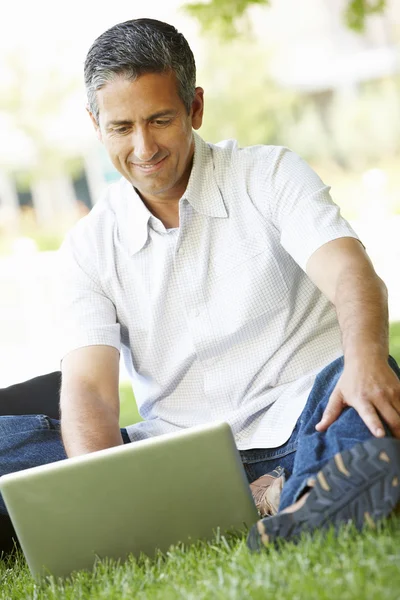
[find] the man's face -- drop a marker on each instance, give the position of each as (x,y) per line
(147,133)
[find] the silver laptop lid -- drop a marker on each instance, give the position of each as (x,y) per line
(135,498)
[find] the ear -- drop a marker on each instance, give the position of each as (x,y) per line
(95,123)
(197,108)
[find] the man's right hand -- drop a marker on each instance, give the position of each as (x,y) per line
(90,400)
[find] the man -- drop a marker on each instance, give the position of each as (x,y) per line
(217,272)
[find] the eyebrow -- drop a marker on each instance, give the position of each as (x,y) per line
(157,115)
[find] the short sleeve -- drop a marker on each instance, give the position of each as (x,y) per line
(301,207)
(87,317)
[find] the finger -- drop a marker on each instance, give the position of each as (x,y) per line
(395,403)
(391,417)
(332,411)
(368,413)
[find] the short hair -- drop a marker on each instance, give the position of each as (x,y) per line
(136,47)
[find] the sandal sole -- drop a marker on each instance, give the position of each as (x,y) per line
(360,485)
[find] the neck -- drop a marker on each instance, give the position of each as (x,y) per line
(167,212)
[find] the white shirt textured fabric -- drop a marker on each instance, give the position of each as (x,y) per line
(216,319)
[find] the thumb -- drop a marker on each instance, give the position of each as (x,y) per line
(332,411)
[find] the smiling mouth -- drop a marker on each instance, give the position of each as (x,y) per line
(149,168)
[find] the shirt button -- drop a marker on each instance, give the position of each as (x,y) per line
(195,312)
(181,251)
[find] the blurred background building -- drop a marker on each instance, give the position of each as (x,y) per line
(296,76)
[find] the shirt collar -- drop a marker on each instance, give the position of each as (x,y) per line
(202,193)
(136,218)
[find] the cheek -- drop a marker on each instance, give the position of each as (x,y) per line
(116,149)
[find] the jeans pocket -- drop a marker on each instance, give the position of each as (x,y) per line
(266,464)
(13,424)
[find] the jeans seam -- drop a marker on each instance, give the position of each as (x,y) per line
(270,456)
(44,421)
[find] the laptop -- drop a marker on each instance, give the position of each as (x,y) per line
(136,498)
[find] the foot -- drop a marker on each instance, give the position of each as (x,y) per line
(267,490)
(360,485)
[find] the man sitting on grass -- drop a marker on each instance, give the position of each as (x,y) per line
(232,286)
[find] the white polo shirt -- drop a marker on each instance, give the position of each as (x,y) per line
(215,319)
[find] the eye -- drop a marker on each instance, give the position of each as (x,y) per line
(162,122)
(121,130)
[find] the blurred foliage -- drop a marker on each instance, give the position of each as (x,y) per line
(358,10)
(47,240)
(227,18)
(223,17)
(364,123)
(32,102)
(241,99)
(348,130)
(39,237)
(356,128)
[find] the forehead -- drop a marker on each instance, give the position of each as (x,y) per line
(145,95)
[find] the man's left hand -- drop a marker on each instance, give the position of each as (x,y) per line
(373,390)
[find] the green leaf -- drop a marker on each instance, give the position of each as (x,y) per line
(357,12)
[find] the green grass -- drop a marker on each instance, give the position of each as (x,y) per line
(128,410)
(395,340)
(351,566)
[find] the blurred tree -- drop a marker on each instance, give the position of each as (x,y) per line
(242,100)
(227,17)
(354,128)
(366,123)
(358,10)
(32,106)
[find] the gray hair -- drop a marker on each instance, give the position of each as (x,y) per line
(137,47)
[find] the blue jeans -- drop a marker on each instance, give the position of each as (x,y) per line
(32,440)
(29,441)
(307,450)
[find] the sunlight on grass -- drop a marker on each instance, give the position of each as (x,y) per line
(351,566)
(128,410)
(395,340)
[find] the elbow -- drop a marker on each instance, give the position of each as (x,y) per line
(383,288)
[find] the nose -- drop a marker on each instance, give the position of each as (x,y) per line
(145,146)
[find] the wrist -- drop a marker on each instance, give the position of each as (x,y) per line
(367,353)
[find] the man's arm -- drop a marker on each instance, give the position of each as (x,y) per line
(342,270)
(90,400)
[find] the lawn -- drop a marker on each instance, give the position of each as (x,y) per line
(395,340)
(350,566)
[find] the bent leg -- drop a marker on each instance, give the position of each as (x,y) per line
(315,448)
(350,474)
(28,441)
(37,396)
(25,441)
